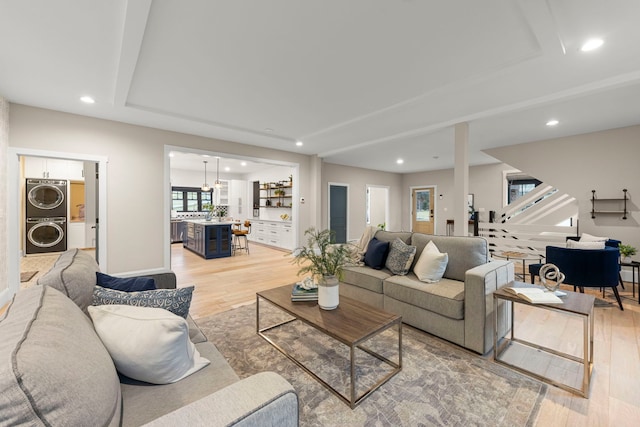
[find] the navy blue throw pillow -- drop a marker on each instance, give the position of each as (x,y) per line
(128,284)
(376,254)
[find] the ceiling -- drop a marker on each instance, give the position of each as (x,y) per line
(360,83)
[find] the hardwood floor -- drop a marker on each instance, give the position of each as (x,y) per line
(225,283)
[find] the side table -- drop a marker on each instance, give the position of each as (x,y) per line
(574,304)
(635,265)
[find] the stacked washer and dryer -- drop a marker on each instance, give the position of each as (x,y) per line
(46,215)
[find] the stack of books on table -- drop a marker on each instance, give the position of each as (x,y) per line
(301,294)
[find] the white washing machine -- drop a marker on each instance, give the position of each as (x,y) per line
(46,235)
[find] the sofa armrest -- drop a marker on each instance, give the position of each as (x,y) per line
(480,283)
(264,399)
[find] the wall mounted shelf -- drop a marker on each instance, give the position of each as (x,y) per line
(615,206)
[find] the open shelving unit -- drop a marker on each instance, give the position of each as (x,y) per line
(276,194)
(615,206)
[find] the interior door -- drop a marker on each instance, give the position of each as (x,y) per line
(338,211)
(422,208)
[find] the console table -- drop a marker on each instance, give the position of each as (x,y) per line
(574,304)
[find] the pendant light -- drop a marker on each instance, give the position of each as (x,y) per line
(217,184)
(205,186)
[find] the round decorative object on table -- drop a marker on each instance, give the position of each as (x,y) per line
(551,272)
(328,293)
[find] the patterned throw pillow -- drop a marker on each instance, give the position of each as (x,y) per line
(176,301)
(400,257)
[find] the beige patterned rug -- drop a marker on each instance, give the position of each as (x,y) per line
(440,384)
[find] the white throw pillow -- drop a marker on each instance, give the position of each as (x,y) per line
(147,344)
(572,244)
(431,264)
(584,237)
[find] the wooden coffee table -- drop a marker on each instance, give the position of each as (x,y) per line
(352,323)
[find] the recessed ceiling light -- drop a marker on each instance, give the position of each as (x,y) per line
(299,143)
(243,164)
(268,130)
(87,99)
(172,154)
(591,44)
(552,122)
(399,161)
(227,169)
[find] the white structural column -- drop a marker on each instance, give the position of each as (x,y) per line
(461,180)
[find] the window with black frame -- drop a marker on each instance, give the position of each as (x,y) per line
(519,185)
(189,199)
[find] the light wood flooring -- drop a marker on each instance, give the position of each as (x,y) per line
(222,284)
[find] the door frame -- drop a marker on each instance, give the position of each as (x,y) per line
(435,204)
(13,208)
(337,184)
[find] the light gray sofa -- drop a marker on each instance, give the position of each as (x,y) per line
(459,308)
(54,369)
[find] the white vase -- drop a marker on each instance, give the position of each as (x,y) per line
(328,293)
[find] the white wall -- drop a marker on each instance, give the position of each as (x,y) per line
(4,143)
(358,179)
(606,161)
(136,190)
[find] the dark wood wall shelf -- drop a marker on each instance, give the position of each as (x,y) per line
(614,206)
(276,194)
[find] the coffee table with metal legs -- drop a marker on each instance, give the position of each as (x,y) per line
(352,323)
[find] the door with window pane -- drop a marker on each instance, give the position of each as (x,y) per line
(422,218)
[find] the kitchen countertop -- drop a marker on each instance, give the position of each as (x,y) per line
(205,222)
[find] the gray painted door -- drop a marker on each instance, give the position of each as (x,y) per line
(338,212)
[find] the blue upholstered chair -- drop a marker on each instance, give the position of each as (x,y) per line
(591,268)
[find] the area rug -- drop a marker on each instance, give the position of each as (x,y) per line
(440,384)
(27,275)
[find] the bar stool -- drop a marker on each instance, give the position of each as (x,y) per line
(240,234)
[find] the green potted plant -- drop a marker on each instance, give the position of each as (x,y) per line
(626,251)
(325,260)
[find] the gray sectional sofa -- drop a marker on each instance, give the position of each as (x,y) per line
(54,369)
(458,308)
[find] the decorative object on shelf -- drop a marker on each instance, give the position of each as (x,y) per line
(217,184)
(284,217)
(325,260)
(205,186)
(382,226)
(627,251)
(551,272)
(609,202)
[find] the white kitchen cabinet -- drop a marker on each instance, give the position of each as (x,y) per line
(273,233)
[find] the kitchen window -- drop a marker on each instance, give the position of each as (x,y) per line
(189,199)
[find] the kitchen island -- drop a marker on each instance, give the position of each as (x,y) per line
(209,239)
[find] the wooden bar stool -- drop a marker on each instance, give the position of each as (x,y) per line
(240,234)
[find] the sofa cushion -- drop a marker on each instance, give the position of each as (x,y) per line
(365,277)
(54,369)
(584,237)
(176,301)
(465,253)
(154,347)
(431,265)
(390,236)
(143,402)
(125,284)
(376,254)
(445,297)
(73,274)
(400,257)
